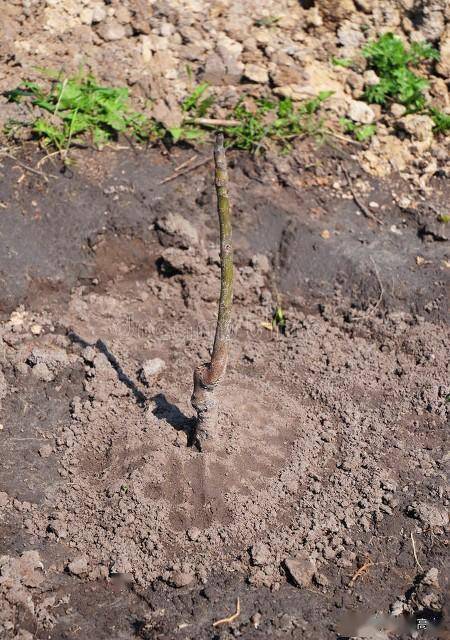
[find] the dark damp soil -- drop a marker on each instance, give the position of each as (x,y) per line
(281,208)
(324,501)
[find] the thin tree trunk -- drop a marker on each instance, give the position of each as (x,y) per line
(207,376)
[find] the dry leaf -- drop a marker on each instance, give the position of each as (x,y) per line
(325,234)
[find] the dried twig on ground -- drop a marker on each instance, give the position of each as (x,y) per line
(361,571)
(214,122)
(413,542)
(27,167)
(357,200)
(207,376)
(231,618)
(178,173)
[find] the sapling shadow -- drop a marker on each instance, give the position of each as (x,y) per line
(208,376)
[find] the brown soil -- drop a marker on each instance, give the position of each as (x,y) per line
(331,452)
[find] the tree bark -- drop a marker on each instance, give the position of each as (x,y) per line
(208,375)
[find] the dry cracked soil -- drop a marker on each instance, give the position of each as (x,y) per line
(324,500)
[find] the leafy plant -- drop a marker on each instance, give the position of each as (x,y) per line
(341,62)
(277,120)
(192,104)
(391,60)
(441,120)
(279,320)
(79,108)
(361,132)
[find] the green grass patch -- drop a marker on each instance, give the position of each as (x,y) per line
(277,120)
(441,120)
(394,64)
(341,62)
(361,132)
(78,108)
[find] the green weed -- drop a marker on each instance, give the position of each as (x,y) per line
(392,62)
(341,62)
(77,109)
(441,120)
(279,320)
(193,105)
(278,120)
(361,132)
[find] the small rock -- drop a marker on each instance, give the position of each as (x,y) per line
(78,566)
(397,608)
(42,372)
(313,18)
(174,230)
(371,78)
(122,14)
(364,5)
(23,634)
(150,369)
(300,569)
(86,15)
(180,579)
(27,569)
(166,29)
(58,528)
(419,127)
(45,451)
(431,578)
(349,35)
(3,385)
(51,356)
(193,534)
(167,112)
(260,554)
(428,514)
(443,66)
(256,619)
(111,30)
(261,263)
(98,13)
(36,329)
(121,566)
(398,110)
(321,580)
(89,355)
(174,261)
(361,112)
(4,498)
(256,73)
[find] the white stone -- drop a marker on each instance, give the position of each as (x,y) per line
(150,369)
(419,127)
(361,112)
(256,73)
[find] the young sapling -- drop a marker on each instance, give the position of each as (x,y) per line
(208,375)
